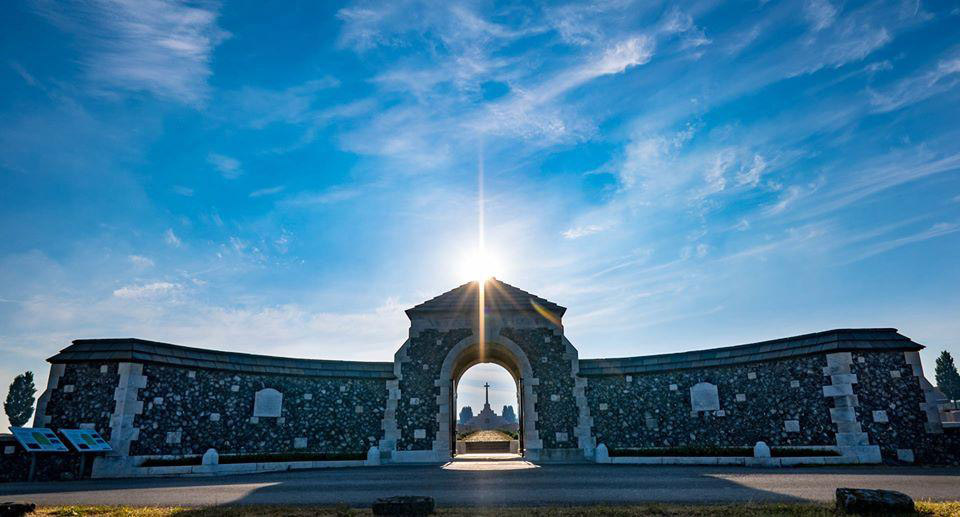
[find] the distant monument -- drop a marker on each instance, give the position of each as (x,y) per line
(487,419)
(509,415)
(466,414)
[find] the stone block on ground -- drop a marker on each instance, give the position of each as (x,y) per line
(867,501)
(16,509)
(406,505)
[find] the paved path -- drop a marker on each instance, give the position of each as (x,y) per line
(500,483)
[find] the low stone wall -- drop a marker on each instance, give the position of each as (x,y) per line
(189,411)
(757,402)
(854,399)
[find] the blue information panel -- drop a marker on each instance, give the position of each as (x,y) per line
(38,439)
(86,440)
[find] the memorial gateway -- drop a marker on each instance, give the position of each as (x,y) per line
(858,392)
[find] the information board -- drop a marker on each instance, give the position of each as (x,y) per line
(86,440)
(38,439)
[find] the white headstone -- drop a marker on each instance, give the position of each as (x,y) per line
(704,397)
(211,457)
(602,455)
(760,450)
(373,456)
(267,403)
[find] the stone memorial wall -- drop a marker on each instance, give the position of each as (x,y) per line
(860,390)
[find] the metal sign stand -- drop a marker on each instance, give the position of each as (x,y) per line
(33,468)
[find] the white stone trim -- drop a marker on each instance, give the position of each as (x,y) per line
(391,432)
(40,417)
(118,462)
(931,400)
(585,438)
(441,443)
(844,414)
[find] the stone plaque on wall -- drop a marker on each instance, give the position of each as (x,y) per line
(704,397)
(267,403)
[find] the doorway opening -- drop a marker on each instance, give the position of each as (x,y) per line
(487,399)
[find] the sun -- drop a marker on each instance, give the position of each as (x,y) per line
(480,266)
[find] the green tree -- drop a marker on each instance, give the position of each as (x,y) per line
(948,380)
(19,404)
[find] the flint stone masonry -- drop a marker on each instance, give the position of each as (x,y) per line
(861,390)
(267,402)
(703,397)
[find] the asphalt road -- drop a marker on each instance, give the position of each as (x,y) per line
(499,483)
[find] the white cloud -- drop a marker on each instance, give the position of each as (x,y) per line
(942,77)
(228,167)
(820,13)
(937,230)
(632,52)
(583,231)
(171,238)
(140,261)
(147,291)
(751,175)
(183,191)
(269,191)
(160,46)
(326,197)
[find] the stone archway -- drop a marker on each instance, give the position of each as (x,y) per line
(502,352)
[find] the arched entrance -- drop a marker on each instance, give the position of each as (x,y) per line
(502,352)
(487,402)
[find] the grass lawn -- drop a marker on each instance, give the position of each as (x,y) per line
(750,509)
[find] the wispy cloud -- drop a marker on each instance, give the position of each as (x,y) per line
(141,261)
(269,191)
(148,291)
(937,230)
(171,238)
(583,231)
(159,46)
(227,166)
(943,76)
(326,197)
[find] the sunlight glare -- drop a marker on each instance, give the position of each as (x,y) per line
(480,266)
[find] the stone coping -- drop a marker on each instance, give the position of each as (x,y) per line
(498,297)
(746,461)
(237,468)
(830,341)
(142,351)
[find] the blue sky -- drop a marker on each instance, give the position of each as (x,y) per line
(234,176)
